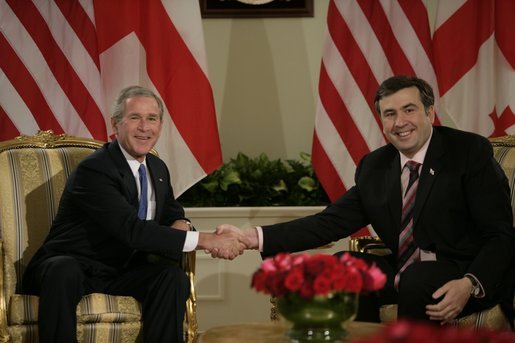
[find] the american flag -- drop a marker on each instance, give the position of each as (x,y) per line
(371,40)
(63,62)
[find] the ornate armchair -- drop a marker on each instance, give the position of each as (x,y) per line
(33,172)
(493,318)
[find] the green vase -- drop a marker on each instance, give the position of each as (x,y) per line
(320,319)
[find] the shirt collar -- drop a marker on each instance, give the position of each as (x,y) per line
(133,163)
(420,155)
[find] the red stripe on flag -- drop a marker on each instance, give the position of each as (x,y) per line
(63,72)
(457,41)
(341,118)
(416,13)
(380,25)
(325,171)
(505,28)
(27,88)
(351,53)
(82,25)
(8,131)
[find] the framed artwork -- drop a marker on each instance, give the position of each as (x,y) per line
(255,8)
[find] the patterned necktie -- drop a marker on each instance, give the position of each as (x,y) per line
(408,251)
(142,208)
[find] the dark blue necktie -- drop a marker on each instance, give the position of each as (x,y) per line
(142,209)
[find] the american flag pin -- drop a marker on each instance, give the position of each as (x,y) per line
(431,171)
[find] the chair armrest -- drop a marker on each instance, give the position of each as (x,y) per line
(370,245)
(4,332)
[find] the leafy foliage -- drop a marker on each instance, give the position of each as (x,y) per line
(245,181)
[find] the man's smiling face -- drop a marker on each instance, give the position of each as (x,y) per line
(140,126)
(406,123)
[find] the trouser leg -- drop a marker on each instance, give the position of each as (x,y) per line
(163,291)
(60,282)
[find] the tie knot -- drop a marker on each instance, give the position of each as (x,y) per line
(412,166)
(142,169)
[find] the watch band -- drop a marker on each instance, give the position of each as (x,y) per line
(475,286)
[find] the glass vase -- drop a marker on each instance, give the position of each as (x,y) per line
(320,319)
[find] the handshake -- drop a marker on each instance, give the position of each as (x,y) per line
(228,241)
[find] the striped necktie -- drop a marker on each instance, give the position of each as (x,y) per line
(143,201)
(408,251)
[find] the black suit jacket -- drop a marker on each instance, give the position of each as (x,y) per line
(97,219)
(462,209)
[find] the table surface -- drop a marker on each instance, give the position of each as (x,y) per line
(271,332)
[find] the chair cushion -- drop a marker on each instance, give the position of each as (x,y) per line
(492,318)
(93,308)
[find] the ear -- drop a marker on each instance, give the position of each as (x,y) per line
(431,114)
(114,126)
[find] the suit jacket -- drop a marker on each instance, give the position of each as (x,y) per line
(462,208)
(97,220)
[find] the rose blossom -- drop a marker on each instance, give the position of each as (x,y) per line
(374,279)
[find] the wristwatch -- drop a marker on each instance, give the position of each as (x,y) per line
(187,222)
(476,289)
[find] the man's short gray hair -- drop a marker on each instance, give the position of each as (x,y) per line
(133,91)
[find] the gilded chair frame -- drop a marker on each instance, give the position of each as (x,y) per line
(49,140)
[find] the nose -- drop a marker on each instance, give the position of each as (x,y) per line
(142,125)
(400,119)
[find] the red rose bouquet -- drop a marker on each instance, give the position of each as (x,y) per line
(316,275)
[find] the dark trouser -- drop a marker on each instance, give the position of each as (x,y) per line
(60,283)
(417,284)
(420,280)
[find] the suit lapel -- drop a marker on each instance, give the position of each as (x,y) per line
(125,172)
(430,170)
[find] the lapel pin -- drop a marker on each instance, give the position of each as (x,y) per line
(160,180)
(431,171)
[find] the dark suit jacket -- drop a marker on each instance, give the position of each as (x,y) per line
(462,209)
(97,219)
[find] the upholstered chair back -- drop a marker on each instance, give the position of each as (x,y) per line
(33,173)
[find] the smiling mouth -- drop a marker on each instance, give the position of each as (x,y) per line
(404,133)
(142,138)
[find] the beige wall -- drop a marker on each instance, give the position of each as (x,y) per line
(264,73)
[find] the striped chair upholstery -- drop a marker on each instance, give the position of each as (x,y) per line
(493,318)
(33,172)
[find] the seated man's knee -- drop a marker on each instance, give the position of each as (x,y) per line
(61,268)
(415,281)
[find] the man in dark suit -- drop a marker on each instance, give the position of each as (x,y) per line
(110,220)
(462,236)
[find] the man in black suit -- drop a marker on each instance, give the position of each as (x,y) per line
(100,243)
(462,217)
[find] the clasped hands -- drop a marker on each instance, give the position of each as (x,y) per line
(228,241)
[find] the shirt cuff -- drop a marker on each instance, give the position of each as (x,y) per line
(260,238)
(191,241)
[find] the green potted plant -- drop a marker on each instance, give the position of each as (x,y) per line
(246,181)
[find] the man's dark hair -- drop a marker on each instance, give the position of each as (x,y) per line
(396,83)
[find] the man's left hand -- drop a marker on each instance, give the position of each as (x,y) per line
(455,294)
